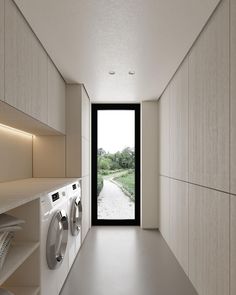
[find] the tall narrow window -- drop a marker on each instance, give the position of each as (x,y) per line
(115,164)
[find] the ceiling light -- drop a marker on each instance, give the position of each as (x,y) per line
(131,73)
(112,73)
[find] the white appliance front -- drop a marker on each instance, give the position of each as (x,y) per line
(54,241)
(75,211)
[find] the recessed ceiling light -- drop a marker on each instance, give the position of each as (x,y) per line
(112,73)
(131,73)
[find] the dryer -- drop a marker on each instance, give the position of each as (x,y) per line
(54,241)
(75,219)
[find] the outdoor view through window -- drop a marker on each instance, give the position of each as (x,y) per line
(116,164)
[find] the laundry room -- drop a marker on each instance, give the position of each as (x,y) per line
(117,147)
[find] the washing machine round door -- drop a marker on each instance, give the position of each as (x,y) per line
(57,239)
(76,216)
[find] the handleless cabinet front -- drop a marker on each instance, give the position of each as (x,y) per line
(1,49)
(56,99)
(25,66)
(18,56)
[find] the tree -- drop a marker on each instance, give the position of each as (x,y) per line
(101,152)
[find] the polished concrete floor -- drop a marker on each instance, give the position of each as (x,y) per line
(126,261)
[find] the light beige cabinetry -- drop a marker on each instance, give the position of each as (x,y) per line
(39,100)
(179,221)
(24,255)
(86,199)
(179,124)
(78,144)
(209,104)
(164,218)
(233,245)
(209,240)
(86,206)
(233,96)
(33,85)
(56,98)
(164,125)
(18,59)
(1,49)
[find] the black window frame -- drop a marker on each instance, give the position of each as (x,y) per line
(95,109)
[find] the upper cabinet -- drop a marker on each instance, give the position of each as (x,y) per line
(32,83)
(39,99)
(209,104)
(18,59)
(56,98)
(1,49)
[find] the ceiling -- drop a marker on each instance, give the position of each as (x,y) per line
(88,38)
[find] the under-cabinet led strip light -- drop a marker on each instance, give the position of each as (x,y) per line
(14,130)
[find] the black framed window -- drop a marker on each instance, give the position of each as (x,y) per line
(115,164)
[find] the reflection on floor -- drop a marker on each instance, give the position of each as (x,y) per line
(126,261)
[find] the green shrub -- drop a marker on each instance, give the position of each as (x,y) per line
(99,184)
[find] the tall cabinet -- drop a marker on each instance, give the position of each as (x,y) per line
(1,49)
(78,144)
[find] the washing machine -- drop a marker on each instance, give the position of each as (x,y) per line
(75,220)
(54,241)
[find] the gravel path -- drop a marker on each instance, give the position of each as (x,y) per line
(113,203)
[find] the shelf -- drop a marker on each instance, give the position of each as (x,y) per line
(24,290)
(18,253)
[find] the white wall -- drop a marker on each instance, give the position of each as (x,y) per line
(149,165)
(15,155)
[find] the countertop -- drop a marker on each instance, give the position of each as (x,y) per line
(16,193)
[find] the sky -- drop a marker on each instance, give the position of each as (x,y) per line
(115,130)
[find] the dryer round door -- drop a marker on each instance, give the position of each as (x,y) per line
(76,216)
(57,239)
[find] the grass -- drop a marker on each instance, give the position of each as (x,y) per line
(99,184)
(127,182)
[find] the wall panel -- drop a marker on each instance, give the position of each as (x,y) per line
(179,221)
(233,97)
(164,217)
(209,103)
(2,50)
(209,240)
(164,127)
(179,123)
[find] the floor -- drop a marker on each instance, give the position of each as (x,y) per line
(113,203)
(126,261)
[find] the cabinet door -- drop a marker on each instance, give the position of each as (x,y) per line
(164,133)
(233,244)
(209,104)
(39,103)
(85,114)
(178,207)
(233,97)
(164,218)
(56,99)
(209,240)
(179,123)
(1,49)
(86,206)
(18,57)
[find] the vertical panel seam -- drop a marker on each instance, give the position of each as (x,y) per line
(229,59)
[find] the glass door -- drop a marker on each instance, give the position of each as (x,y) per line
(115,164)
